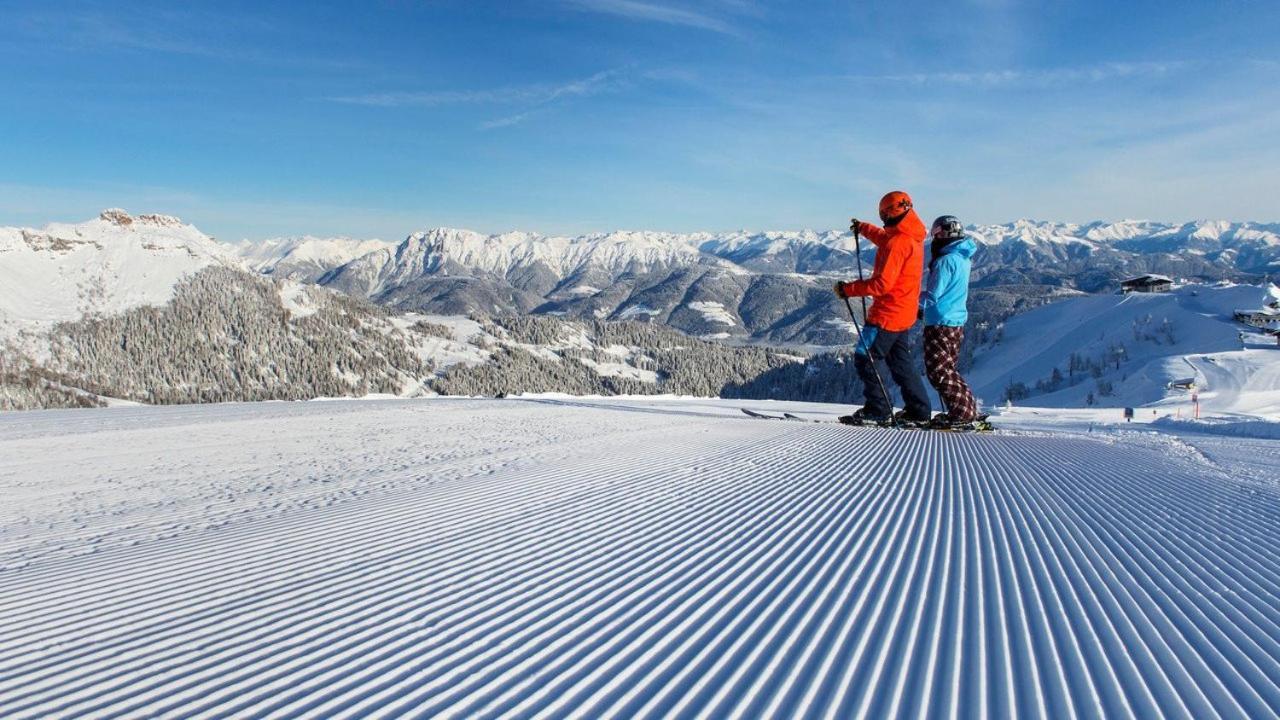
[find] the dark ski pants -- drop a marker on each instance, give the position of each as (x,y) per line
(941,352)
(893,347)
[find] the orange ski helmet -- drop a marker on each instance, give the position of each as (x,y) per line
(894,206)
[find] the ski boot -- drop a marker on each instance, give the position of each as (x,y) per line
(860,418)
(902,420)
(944,423)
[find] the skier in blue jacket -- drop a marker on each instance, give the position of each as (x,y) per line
(944,308)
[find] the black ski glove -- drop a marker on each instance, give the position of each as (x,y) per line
(853,226)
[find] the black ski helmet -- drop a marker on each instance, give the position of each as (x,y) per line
(947,228)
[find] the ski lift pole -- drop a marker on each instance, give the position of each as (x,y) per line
(862,340)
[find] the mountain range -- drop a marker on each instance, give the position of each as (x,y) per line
(149,308)
(770,287)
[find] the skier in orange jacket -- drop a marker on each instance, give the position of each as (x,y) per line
(894,289)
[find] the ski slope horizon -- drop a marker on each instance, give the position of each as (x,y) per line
(626,557)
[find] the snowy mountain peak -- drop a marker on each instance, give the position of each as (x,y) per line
(770,251)
(116,216)
(1102,232)
(1033,233)
(1142,236)
(501,254)
(106,265)
(121,218)
(160,220)
(305,257)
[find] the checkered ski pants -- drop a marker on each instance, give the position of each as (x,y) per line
(941,351)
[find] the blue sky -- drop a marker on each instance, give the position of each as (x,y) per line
(375,119)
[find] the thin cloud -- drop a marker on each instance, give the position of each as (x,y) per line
(538,94)
(180,32)
(437,98)
(654,12)
(1052,76)
(504,122)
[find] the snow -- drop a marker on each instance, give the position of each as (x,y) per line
(1033,232)
(469,343)
(105,266)
(1140,235)
(158,250)
(573,336)
(306,255)
(464,328)
(347,376)
(618,369)
(371,267)
(714,312)
(296,298)
(636,311)
(1240,428)
(1239,448)
(658,557)
(444,354)
(1234,378)
(1241,383)
(460,348)
(434,250)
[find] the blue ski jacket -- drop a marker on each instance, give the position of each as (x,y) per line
(945,299)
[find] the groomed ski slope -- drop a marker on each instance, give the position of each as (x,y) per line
(557,558)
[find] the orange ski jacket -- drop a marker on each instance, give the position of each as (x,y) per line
(894,285)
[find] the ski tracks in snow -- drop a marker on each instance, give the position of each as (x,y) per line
(687,567)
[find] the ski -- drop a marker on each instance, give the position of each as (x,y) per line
(766,416)
(981,425)
(885,425)
(796,418)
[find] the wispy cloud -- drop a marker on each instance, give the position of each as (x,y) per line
(1033,77)
(642,11)
(165,31)
(507,121)
(529,99)
(536,94)
(437,98)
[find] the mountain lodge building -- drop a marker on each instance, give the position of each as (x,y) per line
(1147,284)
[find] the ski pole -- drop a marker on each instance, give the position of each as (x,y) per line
(857,254)
(857,247)
(862,340)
